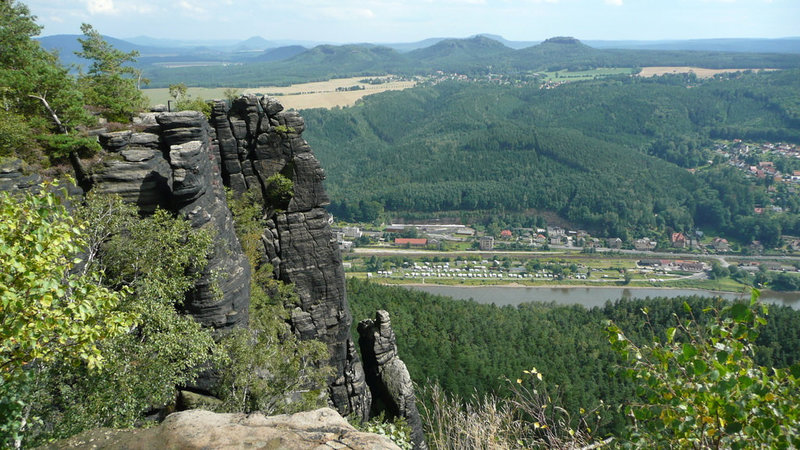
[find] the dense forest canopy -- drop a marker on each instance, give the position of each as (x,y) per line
(468,347)
(605,155)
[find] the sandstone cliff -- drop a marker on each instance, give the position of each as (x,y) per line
(256,140)
(387,375)
(170,165)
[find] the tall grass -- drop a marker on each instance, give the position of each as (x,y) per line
(529,418)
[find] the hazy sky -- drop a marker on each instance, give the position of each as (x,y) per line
(412,20)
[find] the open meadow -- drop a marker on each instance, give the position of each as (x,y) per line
(699,71)
(323,94)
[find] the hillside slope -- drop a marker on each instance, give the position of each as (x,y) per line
(580,150)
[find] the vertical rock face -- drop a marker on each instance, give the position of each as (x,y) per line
(256,140)
(172,165)
(387,375)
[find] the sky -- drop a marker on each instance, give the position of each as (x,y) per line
(378,21)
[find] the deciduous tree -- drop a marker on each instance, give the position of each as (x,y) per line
(701,388)
(48,310)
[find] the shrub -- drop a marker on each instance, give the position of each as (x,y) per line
(701,388)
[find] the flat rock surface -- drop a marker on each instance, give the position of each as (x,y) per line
(197,429)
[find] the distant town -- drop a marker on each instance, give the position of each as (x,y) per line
(454,253)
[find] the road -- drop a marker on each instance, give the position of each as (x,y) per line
(573,250)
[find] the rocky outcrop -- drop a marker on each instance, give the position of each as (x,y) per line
(171,164)
(257,141)
(387,375)
(320,429)
(14,177)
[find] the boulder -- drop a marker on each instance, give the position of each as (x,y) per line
(15,177)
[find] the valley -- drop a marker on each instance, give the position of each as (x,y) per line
(285,251)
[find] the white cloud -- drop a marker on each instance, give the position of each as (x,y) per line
(100,7)
(189,7)
(348,13)
(614,2)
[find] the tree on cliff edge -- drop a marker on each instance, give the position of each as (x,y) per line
(38,97)
(110,84)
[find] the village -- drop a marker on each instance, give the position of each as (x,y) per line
(462,237)
(757,159)
(454,253)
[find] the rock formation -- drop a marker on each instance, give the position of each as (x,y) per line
(320,429)
(170,164)
(181,162)
(387,375)
(257,141)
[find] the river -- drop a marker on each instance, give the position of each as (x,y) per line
(586,296)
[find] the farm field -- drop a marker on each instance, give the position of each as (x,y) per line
(321,94)
(699,71)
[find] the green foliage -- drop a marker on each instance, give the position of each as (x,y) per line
(156,259)
(159,257)
(466,347)
(231,94)
(283,129)
(60,146)
(37,95)
(702,388)
(268,369)
(195,104)
(177,91)
(186,102)
(14,134)
(397,430)
(50,309)
(280,189)
(110,84)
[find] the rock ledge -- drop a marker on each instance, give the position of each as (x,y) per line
(197,429)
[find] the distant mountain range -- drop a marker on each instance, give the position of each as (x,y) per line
(148,45)
(207,63)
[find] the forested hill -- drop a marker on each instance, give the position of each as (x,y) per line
(476,55)
(582,150)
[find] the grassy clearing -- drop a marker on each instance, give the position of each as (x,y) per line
(564,75)
(297,96)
